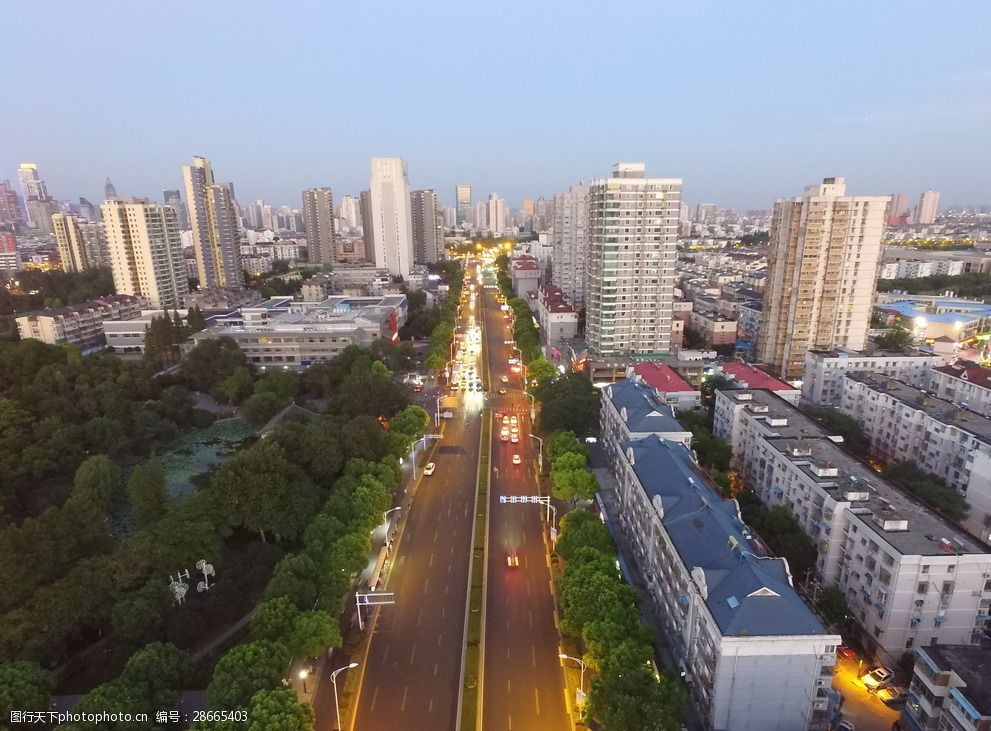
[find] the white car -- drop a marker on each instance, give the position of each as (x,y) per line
(513,420)
(877,678)
(517,459)
(429,469)
(504,379)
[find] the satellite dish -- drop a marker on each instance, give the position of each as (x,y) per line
(205,568)
(202,586)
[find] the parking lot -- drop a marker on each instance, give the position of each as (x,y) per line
(864,709)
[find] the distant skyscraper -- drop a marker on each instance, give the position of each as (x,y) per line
(428,226)
(569,243)
(39,204)
(705,212)
(450,217)
(174,198)
(543,214)
(213,218)
(528,207)
(82,244)
(351,212)
(391,220)
(825,248)
(928,207)
(480,217)
(88,211)
(633,237)
(367,229)
(109,191)
(496,214)
(318,214)
(464,204)
(899,209)
(146,251)
(10,207)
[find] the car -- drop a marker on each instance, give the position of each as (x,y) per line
(455,387)
(513,420)
(514,429)
(504,432)
(515,438)
(844,726)
(505,418)
(847,653)
(512,560)
(429,469)
(877,678)
(502,392)
(417,389)
(516,458)
(504,379)
(893,696)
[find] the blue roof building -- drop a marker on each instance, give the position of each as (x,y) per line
(754,654)
(631,410)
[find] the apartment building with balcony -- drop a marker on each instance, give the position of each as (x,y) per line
(631,410)
(754,656)
(950,690)
(747,375)
(824,370)
(910,577)
(557,317)
(939,436)
(965,383)
(81,325)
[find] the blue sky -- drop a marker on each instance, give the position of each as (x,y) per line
(745,101)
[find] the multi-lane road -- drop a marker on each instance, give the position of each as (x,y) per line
(410,677)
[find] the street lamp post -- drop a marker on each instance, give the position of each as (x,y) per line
(581,681)
(533,407)
(302,676)
(333,679)
(437,411)
(385,516)
(540,453)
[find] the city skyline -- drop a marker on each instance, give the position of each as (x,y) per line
(722,119)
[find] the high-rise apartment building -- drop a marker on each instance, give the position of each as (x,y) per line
(392,224)
(174,198)
(146,251)
(464,204)
(318,212)
(10,206)
(367,229)
(38,203)
(633,235)
(351,212)
(496,214)
(480,215)
(899,209)
(214,220)
(705,212)
(543,213)
(825,250)
(428,226)
(569,243)
(928,207)
(82,244)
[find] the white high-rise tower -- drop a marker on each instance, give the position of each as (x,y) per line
(392,226)
(216,234)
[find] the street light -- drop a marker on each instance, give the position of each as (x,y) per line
(533,407)
(302,676)
(385,515)
(333,679)
(540,453)
(581,680)
(437,411)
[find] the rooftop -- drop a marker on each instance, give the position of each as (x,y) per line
(750,376)
(808,445)
(661,377)
(973,665)
(947,312)
(968,371)
(939,409)
(838,353)
(644,413)
(748,591)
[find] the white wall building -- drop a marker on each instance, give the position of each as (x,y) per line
(569,242)
(633,237)
(631,410)
(824,371)
(753,654)
(392,223)
(964,383)
(909,577)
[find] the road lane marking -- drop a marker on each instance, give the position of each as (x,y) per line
(531,619)
(435,536)
(435,669)
(509,686)
(375,696)
(510,723)
(419,618)
(443,611)
(412,654)
(449,567)
(440,638)
(550,587)
(536,699)
(507,653)
(402,706)
(533,654)
(528,587)
(430,706)
(426,583)
(431,562)
(385,655)
(446,587)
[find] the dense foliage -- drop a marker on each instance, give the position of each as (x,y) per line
(782,533)
(36,290)
(972,284)
(569,402)
(844,425)
(928,488)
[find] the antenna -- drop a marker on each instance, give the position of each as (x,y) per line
(178,587)
(207,570)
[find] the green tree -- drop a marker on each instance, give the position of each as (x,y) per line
(313,633)
(569,402)
(244,671)
(274,620)
(897,339)
(195,320)
(25,686)
(564,441)
(929,489)
(582,529)
(239,385)
(831,603)
(261,407)
(297,578)
(284,384)
(843,425)
(541,370)
(211,362)
(279,709)
(262,491)
(592,590)
(148,493)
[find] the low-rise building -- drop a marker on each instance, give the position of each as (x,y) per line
(667,385)
(746,375)
(82,325)
(558,319)
(824,370)
(631,410)
(910,577)
(950,689)
(524,273)
(939,436)
(749,314)
(965,383)
(294,335)
(713,328)
(317,288)
(752,654)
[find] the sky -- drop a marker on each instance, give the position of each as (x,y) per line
(743,101)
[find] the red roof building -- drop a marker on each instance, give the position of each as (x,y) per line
(667,384)
(750,376)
